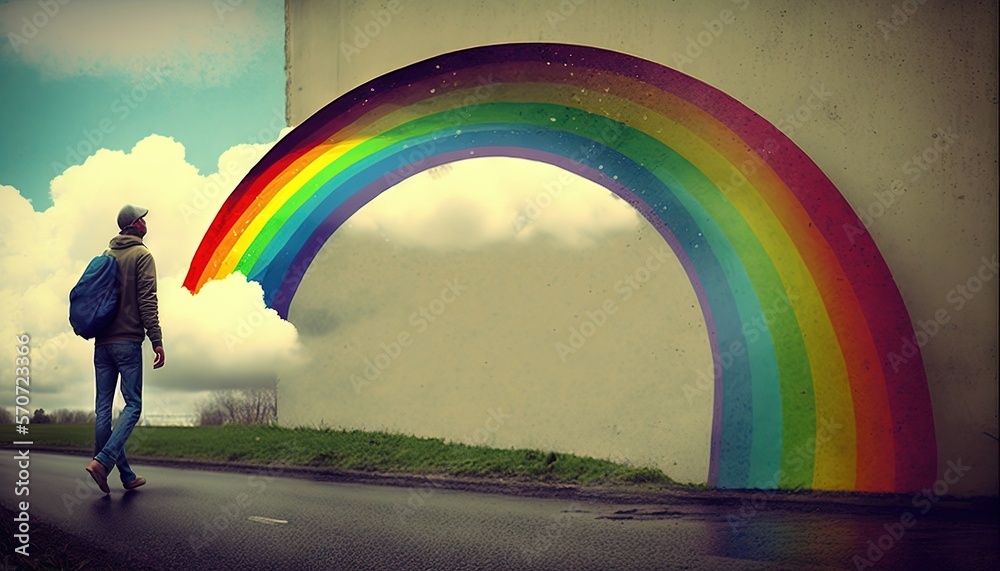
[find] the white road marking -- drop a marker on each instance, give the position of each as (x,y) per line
(267,520)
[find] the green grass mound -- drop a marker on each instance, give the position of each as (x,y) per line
(357,451)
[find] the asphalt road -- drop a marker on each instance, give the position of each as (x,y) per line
(193,519)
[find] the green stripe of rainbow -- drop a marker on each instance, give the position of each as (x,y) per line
(808,397)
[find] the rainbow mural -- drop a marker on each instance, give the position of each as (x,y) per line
(805,321)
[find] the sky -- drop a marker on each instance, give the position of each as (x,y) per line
(111,110)
(108,73)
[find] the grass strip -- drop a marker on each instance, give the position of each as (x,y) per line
(355,450)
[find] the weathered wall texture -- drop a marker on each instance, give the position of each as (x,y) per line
(896,102)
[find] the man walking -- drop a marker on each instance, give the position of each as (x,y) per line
(118,349)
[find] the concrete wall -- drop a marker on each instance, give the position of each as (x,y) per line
(895,101)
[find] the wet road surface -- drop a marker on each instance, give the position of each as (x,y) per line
(195,519)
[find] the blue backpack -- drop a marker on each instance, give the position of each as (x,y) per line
(93,301)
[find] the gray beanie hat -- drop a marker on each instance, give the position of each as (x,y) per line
(129,214)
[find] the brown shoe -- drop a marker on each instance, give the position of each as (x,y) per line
(100,475)
(134,483)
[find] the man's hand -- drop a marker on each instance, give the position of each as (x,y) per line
(160,357)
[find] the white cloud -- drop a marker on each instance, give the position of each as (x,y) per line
(224,336)
(194,42)
(475,202)
(42,254)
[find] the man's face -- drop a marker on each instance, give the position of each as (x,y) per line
(140,225)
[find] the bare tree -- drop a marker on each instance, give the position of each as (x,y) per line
(5,416)
(208,416)
(240,406)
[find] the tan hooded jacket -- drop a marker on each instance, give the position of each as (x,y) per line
(137,308)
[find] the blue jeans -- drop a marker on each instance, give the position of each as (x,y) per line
(109,361)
